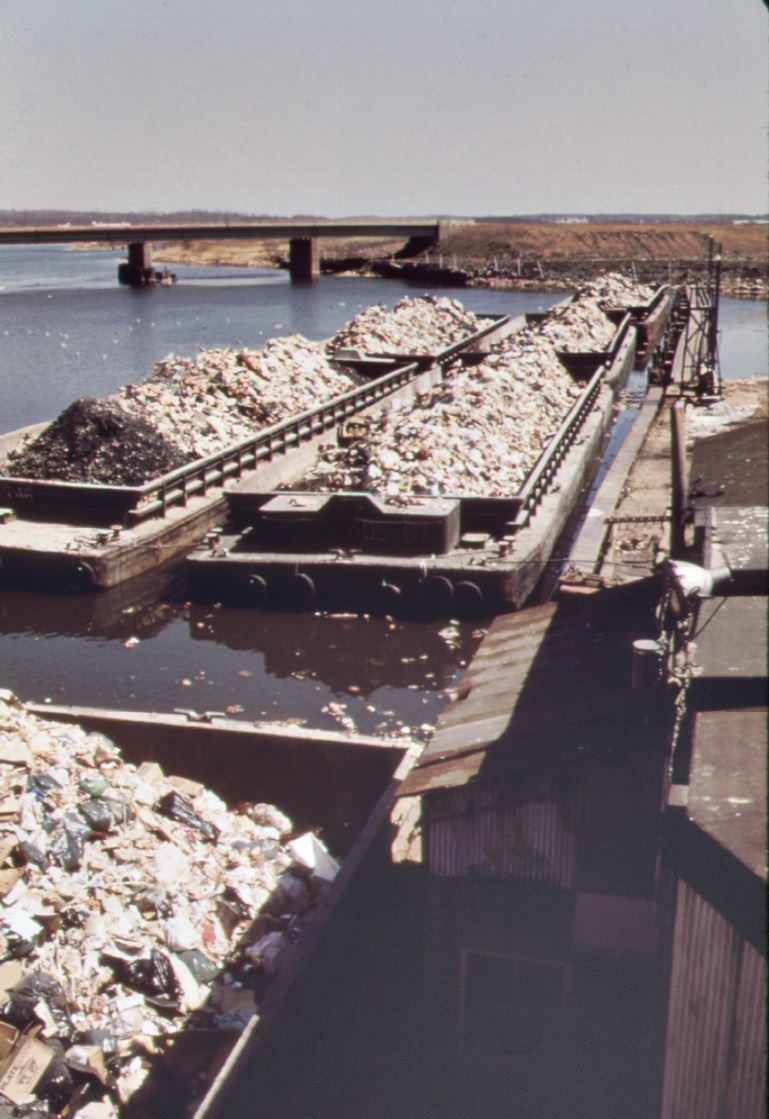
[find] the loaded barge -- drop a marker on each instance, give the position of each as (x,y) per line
(77,537)
(457,555)
(482,553)
(191,1065)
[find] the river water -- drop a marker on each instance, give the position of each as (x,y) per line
(67,330)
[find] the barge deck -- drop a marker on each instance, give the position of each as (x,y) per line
(76,537)
(453,556)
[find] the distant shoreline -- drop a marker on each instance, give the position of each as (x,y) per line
(524,255)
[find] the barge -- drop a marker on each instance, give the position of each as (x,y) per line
(76,537)
(339,786)
(454,555)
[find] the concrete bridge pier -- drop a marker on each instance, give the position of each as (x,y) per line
(137,271)
(304,258)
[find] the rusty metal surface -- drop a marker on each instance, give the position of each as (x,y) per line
(730,654)
(545,683)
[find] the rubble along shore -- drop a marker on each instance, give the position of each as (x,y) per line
(536,255)
(135,904)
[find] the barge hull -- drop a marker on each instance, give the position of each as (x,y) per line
(342,785)
(499,575)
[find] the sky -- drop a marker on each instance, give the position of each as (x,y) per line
(400,107)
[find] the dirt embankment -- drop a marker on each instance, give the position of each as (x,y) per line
(529,253)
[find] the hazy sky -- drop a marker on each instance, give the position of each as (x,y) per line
(342,107)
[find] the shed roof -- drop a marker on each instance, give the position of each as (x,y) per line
(546,682)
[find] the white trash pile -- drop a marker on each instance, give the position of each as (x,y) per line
(187,409)
(193,407)
(133,905)
(223,396)
(190,408)
(425,325)
(478,433)
(482,430)
(581,325)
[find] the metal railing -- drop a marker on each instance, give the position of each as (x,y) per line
(198,477)
(538,482)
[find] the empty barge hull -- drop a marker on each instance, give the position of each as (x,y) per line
(497,550)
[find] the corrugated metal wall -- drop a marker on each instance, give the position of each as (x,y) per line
(527,834)
(715,1063)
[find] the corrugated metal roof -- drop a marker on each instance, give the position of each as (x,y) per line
(548,680)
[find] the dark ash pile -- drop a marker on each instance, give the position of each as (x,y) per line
(97,441)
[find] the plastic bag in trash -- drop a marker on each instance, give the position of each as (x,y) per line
(56,1084)
(95,786)
(35,850)
(178,807)
(103,813)
(66,844)
(35,1109)
(152,976)
(41,784)
(291,895)
(267,950)
(24,999)
(203,969)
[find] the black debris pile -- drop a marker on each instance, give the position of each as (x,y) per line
(97,441)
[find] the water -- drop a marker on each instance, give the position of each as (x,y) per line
(405,959)
(743,341)
(68,330)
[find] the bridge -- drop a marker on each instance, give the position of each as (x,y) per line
(303,236)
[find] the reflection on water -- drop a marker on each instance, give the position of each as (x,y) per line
(142,647)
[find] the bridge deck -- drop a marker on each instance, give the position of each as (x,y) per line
(120,233)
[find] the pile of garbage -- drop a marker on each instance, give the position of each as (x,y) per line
(482,430)
(133,905)
(582,325)
(97,441)
(223,396)
(190,408)
(425,325)
(478,433)
(187,409)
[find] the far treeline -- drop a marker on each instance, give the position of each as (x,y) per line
(10,218)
